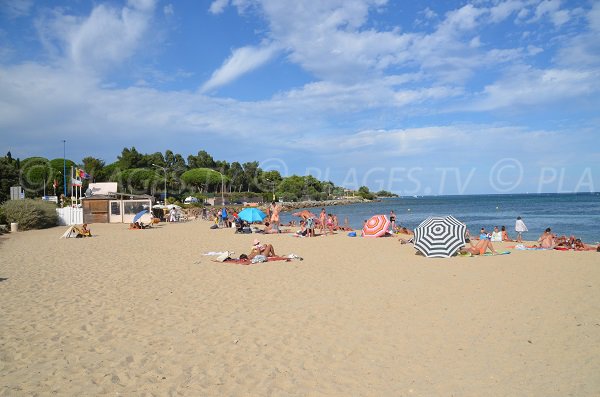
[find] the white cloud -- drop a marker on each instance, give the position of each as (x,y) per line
(583,50)
(504,9)
(241,61)
(217,6)
(527,86)
(105,38)
(551,9)
(16,8)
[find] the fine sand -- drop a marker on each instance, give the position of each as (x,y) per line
(143,313)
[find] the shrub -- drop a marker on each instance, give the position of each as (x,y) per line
(30,214)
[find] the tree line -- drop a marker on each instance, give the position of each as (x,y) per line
(199,175)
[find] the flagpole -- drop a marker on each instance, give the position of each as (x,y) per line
(65,167)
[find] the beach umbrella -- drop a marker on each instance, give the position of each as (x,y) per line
(139,215)
(251,215)
(440,237)
(376,226)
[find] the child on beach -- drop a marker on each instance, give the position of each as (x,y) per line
(520,228)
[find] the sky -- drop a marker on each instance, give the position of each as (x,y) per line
(414,97)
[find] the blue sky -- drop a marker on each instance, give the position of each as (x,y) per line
(420,97)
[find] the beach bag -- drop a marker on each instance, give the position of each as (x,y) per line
(214,227)
(259,259)
(352,234)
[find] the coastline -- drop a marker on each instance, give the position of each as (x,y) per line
(295,205)
(144,311)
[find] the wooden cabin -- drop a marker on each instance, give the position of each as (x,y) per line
(114,207)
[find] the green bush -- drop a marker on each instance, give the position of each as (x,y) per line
(30,214)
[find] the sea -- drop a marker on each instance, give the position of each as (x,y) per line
(568,214)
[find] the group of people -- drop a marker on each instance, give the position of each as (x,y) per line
(550,240)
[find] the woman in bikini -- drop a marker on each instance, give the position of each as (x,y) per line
(261,249)
(482,246)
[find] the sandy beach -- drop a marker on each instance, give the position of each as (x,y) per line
(144,313)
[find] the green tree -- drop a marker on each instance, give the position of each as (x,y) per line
(236,175)
(36,174)
(154,158)
(140,180)
(291,188)
(175,163)
(57,167)
(204,179)
(131,158)
(201,160)
(93,166)
(109,173)
(365,193)
(9,176)
(251,176)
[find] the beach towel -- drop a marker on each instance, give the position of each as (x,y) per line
(498,253)
(249,262)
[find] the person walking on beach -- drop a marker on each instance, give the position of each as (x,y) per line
(520,228)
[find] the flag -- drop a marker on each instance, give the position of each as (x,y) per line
(83,174)
(75,182)
(55,184)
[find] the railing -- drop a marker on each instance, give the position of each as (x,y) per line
(69,216)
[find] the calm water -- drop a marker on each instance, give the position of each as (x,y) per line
(577,214)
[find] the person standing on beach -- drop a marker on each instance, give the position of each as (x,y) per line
(520,228)
(275,209)
(322,217)
(393,221)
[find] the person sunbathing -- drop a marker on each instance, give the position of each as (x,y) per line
(270,230)
(261,249)
(579,245)
(480,248)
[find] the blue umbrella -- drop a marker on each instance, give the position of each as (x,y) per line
(139,215)
(252,215)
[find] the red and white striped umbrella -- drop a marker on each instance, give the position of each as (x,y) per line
(377,226)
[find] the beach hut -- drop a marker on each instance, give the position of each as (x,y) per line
(114,207)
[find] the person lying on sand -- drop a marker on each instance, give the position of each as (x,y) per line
(482,246)
(261,249)
(578,245)
(270,230)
